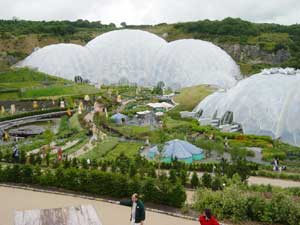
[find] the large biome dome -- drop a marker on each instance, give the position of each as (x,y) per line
(134,56)
(125,54)
(62,60)
(190,62)
(264,104)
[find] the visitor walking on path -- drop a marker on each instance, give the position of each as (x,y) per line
(207,218)
(138,214)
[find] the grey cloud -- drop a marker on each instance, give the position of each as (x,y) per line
(152,11)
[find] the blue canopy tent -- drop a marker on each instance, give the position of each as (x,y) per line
(181,150)
(119,118)
(197,153)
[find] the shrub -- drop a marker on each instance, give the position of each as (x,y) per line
(194,180)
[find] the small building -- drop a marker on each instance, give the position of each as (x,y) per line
(143,114)
(119,118)
(160,106)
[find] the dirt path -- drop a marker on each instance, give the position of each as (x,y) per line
(109,214)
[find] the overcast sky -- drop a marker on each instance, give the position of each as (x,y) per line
(152,11)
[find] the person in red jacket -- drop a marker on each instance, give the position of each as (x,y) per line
(207,218)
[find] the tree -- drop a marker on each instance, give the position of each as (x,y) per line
(172,176)
(123,24)
(132,170)
(48,135)
(123,163)
(47,158)
(38,159)
(216,184)
(206,180)
(159,88)
(195,180)
(32,159)
(22,156)
(84,164)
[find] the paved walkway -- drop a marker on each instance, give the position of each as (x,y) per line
(109,214)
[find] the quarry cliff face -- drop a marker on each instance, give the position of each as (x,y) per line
(249,54)
(252,54)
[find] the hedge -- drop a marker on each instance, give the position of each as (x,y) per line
(97,183)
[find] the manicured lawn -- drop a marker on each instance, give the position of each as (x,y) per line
(130,149)
(101,148)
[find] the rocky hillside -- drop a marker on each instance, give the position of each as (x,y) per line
(253,46)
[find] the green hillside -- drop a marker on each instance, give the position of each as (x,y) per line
(252,45)
(25,84)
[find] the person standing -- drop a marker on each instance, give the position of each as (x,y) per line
(16,153)
(138,214)
(207,218)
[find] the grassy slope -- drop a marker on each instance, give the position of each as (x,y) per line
(189,97)
(101,149)
(25,83)
(129,148)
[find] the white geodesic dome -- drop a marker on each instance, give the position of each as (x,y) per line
(264,104)
(190,62)
(210,104)
(125,54)
(135,56)
(62,60)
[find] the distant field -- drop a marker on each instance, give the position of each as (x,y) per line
(189,97)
